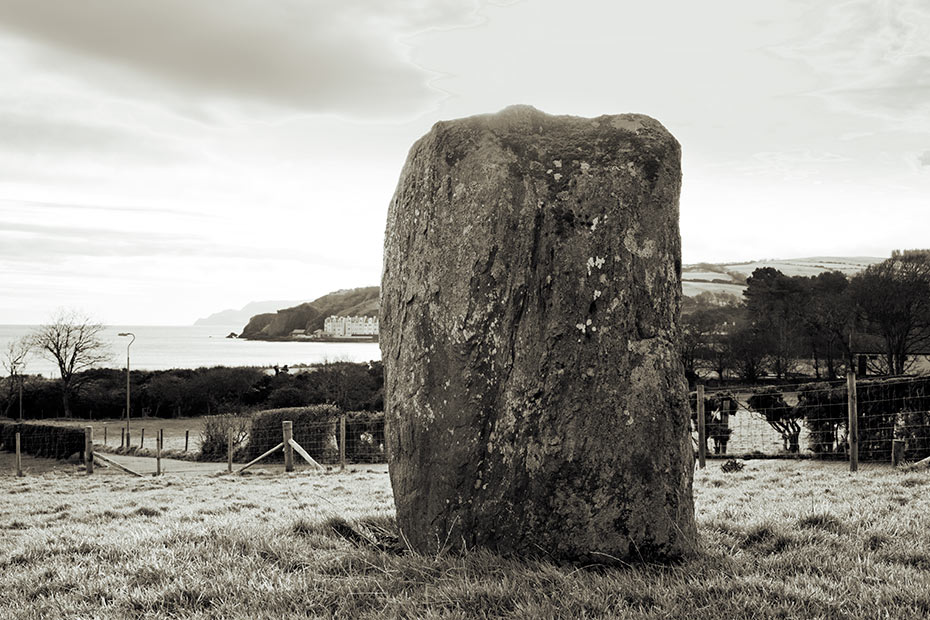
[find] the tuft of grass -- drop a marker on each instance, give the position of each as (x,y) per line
(147,511)
(875,541)
(765,538)
(822,521)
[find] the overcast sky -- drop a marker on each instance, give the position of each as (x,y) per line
(160,161)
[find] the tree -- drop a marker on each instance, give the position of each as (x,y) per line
(828,318)
(770,403)
(748,347)
(893,300)
(775,303)
(14,361)
(695,334)
(704,330)
(73,341)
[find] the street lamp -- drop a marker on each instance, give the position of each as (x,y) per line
(127,380)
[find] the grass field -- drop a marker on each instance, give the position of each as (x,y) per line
(174,428)
(780,539)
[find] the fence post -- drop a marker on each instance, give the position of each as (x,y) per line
(122,437)
(342,441)
(104,434)
(89,449)
(897,452)
(187,436)
(288,428)
(19,458)
(853,421)
(702,433)
(142,440)
(229,449)
(158,444)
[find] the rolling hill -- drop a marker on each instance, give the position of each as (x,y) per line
(731,277)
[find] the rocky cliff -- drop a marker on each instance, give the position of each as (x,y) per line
(310,316)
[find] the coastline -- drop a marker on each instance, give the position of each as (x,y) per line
(356,339)
(179,346)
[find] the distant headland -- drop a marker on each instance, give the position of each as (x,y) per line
(349,315)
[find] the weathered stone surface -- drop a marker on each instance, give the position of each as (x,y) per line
(534,397)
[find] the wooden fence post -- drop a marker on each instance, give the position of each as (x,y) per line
(897,452)
(229,449)
(702,433)
(187,436)
(342,442)
(142,440)
(19,458)
(89,449)
(287,427)
(159,438)
(122,437)
(853,421)
(104,434)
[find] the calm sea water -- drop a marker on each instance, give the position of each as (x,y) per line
(164,347)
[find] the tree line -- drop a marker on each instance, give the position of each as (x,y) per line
(100,393)
(811,325)
(73,342)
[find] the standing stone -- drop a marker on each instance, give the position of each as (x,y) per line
(535,401)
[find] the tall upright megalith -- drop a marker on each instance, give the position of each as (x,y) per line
(534,396)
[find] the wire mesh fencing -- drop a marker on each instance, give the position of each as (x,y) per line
(319,437)
(871,420)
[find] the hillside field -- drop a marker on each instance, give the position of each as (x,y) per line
(780,539)
(698,278)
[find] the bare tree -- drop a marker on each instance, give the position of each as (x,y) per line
(14,361)
(71,340)
(893,299)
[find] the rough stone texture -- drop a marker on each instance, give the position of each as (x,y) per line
(535,400)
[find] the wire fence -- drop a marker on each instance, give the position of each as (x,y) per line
(870,420)
(298,437)
(883,420)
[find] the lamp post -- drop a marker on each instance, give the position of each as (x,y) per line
(127,380)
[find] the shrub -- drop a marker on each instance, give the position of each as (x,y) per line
(893,408)
(825,411)
(287,397)
(214,438)
(732,465)
(914,428)
(315,429)
(43,440)
(365,437)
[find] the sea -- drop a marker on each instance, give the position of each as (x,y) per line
(163,347)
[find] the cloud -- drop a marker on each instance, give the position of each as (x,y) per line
(873,58)
(344,57)
(792,165)
(42,245)
(27,133)
(924,158)
(56,209)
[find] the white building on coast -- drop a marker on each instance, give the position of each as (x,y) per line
(345,326)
